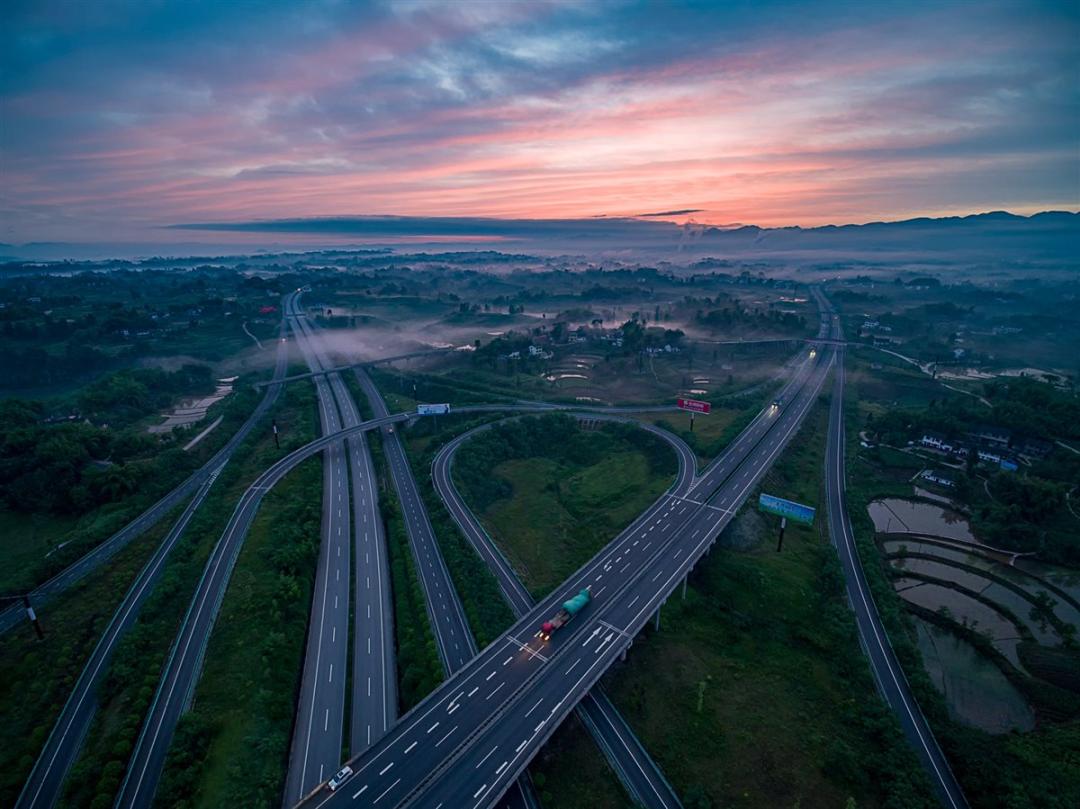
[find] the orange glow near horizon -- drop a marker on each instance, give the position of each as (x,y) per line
(873,120)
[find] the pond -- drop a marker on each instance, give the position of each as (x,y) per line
(964,609)
(975,690)
(896,516)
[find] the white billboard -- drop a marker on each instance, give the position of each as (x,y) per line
(432,409)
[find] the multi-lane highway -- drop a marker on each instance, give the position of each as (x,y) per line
(318,731)
(886,669)
(465,743)
(635,768)
(42,788)
(316,746)
(453,638)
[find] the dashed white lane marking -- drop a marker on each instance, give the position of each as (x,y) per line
(489,676)
(411,746)
(330,677)
(432,727)
(534,707)
(386,769)
(477,688)
(398,781)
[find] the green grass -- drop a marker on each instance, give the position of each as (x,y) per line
(25,539)
(36,677)
(754,692)
(560,515)
(419,669)
(569,772)
(133,674)
(232,748)
(552,494)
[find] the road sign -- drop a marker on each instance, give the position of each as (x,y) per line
(432,409)
(693,405)
(796,512)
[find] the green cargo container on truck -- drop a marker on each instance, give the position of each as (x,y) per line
(562,617)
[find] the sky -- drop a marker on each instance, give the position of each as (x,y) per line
(119,119)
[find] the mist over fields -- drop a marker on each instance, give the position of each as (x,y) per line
(1050,239)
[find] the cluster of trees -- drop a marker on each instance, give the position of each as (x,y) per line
(34,367)
(636,337)
(732,316)
(554,436)
(74,466)
(129,395)
(1025,407)
(284,563)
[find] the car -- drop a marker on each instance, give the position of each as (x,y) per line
(776,403)
(389,429)
(340,778)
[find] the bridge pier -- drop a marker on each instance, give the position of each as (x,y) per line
(684,581)
(657,627)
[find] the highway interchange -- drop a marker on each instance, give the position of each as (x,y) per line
(467,742)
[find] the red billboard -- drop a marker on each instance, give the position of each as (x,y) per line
(693,405)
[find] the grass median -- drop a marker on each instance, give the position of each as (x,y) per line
(133,674)
(754,692)
(231,749)
(36,677)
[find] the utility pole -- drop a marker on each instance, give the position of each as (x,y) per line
(277,443)
(30,614)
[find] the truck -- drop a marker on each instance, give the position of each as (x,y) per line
(569,609)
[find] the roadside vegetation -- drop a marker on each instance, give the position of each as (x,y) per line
(755,692)
(232,748)
(552,494)
(79,482)
(133,674)
(36,677)
(419,669)
(1036,768)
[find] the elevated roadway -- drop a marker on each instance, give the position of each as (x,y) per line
(467,742)
(634,767)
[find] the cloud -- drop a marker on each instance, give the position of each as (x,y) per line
(129,115)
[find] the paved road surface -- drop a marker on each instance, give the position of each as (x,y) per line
(43,787)
(888,673)
(315,751)
(466,743)
(634,767)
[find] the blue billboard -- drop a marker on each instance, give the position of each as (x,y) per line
(796,512)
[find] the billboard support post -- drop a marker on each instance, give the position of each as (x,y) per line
(780,541)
